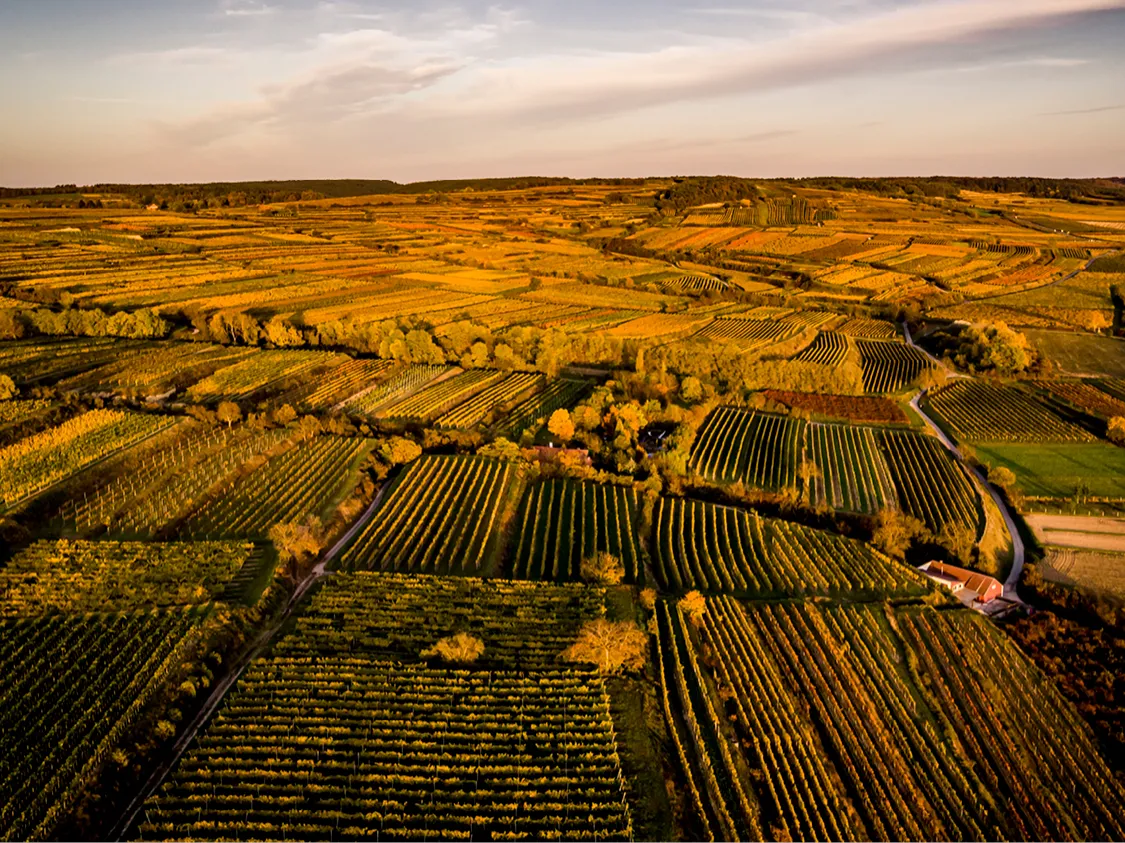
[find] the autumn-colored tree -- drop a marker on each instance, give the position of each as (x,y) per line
(309,426)
(1115,430)
(296,544)
(229,413)
(461,648)
(691,389)
(958,540)
(602,569)
(609,645)
(648,598)
(1002,477)
(8,388)
(694,605)
(285,414)
(398,450)
(561,425)
(895,530)
(1097,321)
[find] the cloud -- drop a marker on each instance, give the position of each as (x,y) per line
(1098,110)
(409,85)
(608,82)
(243,9)
(1044,61)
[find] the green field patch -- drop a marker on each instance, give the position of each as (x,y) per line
(1059,470)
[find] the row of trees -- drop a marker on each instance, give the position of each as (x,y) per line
(86,322)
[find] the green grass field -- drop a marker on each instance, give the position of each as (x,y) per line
(1081,354)
(1056,470)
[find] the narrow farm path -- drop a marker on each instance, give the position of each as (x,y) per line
(252,651)
(1018,550)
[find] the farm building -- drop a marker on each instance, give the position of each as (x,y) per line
(969,586)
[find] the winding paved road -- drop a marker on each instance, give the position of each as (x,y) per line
(1018,552)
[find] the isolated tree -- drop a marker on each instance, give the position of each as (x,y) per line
(229,413)
(895,530)
(609,645)
(461,648)
(694,605)
(561,425)
(1002,477)
(648,598)
(1115,430)
(296,543)
(1097,321)
(602,569)
(398,450)
(7,388)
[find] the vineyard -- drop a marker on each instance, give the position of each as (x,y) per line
(31,465)
(828,349)
(835,738)
(86,576)
(301,482)
(32,361)
(1085,397)
(252,376)
(851,474)
(340,383)
(862,408)
(438,518)
(890,366)
(73,685)
(433,400)
(564,521)
(757,449)
(397,386)
(560,393)
(984,412)
(167,484)
(712,548)
(748,334)
(931,486)
(435,645)
(340,732)
(157,369)
(482,405)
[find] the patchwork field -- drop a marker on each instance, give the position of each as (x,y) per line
(276,491)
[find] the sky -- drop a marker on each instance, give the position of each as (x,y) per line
(236,90)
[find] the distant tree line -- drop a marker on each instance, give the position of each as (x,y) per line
(237,194)
(1070,190)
